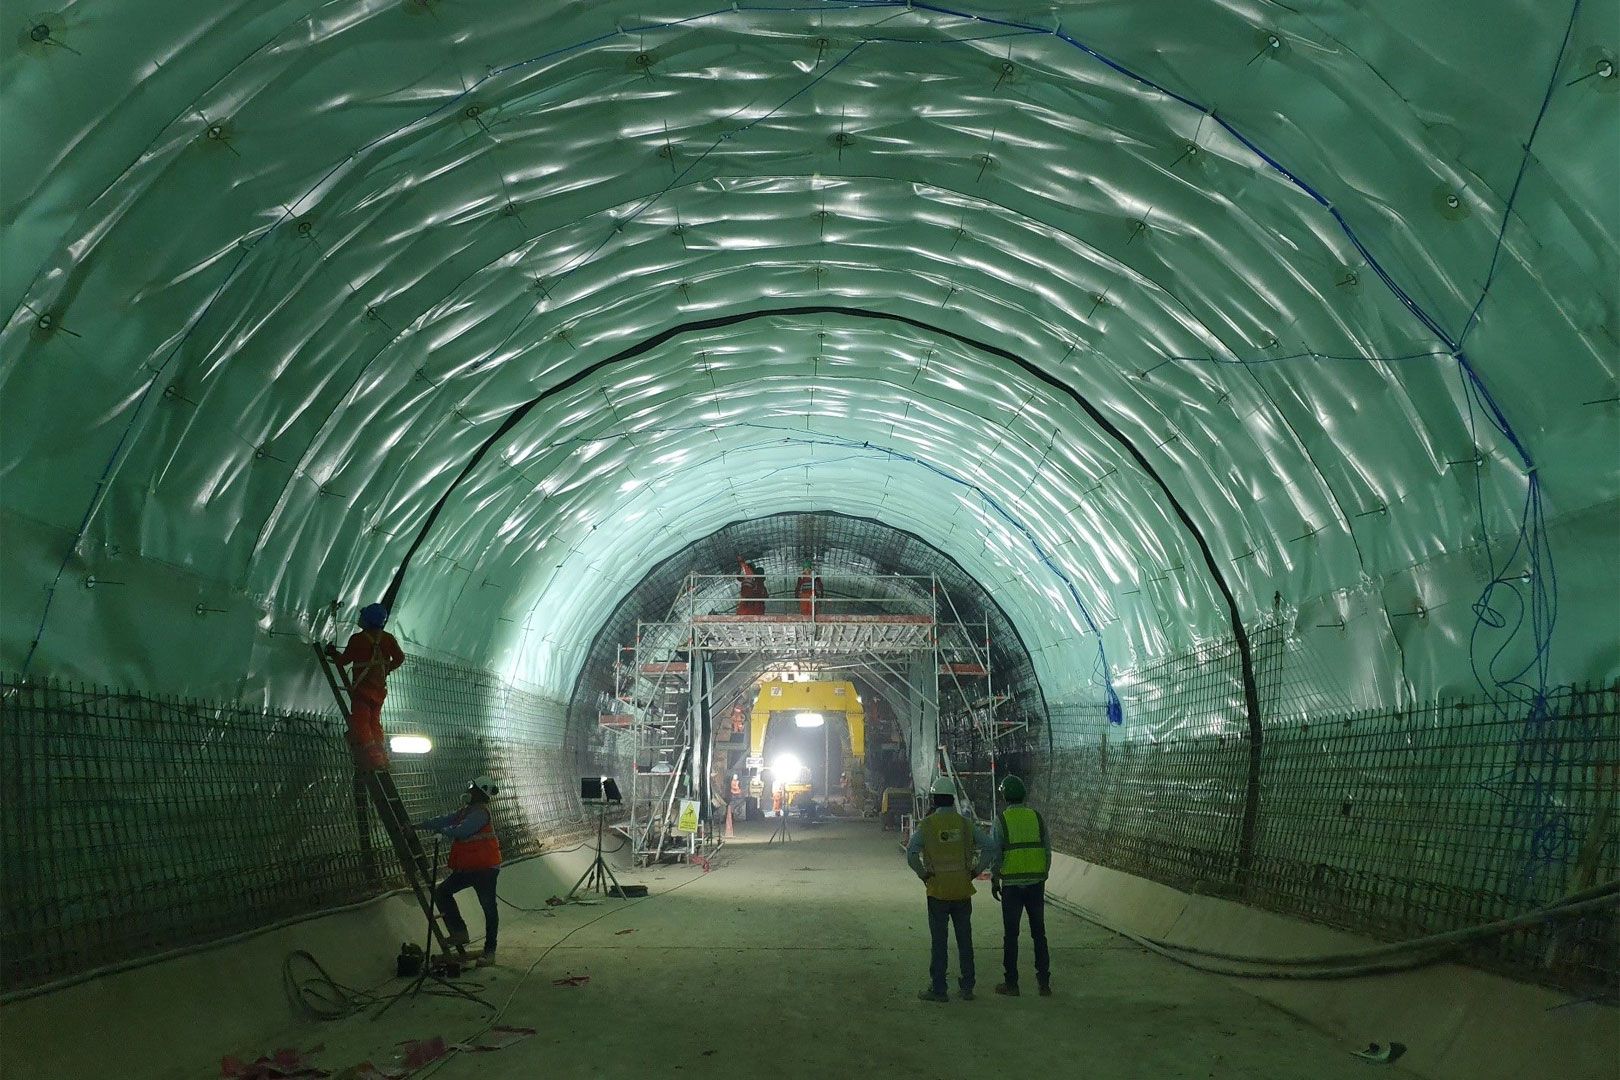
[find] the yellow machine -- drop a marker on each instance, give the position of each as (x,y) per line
(830,699)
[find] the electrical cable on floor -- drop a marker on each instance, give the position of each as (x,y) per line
(1380,960)
(558,851)
(324,998)
(511,997)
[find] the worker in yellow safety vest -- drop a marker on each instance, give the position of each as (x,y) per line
(1019,860)
(944,851)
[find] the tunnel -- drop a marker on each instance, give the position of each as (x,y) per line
(1166,448)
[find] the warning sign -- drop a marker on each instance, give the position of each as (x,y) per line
(688,822)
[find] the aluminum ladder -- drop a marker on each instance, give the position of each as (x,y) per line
(396,821)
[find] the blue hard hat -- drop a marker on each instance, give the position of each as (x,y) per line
(373,616)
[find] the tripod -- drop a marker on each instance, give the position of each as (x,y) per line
(427,955)
(598,873)
(782,831)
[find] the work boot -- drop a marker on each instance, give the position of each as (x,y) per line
(457,938)
(1007,989)
(488,960)
(934,995)
(1046,989)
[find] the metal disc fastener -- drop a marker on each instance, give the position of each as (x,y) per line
(1450,204)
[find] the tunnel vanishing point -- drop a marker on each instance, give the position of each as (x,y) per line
(756,425)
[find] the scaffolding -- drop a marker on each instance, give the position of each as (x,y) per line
(680,675)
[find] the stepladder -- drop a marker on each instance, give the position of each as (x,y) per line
(420,872)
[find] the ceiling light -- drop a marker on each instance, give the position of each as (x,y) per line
(809,719)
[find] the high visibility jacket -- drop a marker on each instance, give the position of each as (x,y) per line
(374,654)
(1023,850)
(948,854)
(480,851)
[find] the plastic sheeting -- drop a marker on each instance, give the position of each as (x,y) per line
(275,271)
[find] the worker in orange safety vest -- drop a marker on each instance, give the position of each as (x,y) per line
(475,863)
(751,591)
(808,586)
(375,655)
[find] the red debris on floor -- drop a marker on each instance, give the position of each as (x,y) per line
(278,1065)
(419,1052)
(571,980)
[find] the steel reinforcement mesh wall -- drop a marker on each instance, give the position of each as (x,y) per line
(136,823)
(1393,823)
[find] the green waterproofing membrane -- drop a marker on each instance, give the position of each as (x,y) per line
(1127,308)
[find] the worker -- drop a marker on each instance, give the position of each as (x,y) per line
(374,654)
(944,851)
(1019,860)
(808,586)
(475,863)
(751,591)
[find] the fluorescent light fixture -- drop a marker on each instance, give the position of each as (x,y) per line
(809,719)
(410,744)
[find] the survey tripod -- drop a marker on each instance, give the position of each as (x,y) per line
(782,831)
(427,971)
(599,873)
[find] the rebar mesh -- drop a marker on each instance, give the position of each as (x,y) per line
(140,823)
(1393,823)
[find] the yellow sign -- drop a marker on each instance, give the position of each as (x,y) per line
(688,822)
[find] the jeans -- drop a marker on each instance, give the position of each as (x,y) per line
(960,914)
(1015,900)
(483,883)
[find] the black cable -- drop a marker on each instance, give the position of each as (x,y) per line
(1382,960)
(558,851)
(324,998)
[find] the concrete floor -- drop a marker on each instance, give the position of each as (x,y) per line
(805,960)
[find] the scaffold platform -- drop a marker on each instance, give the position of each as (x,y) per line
(818,634)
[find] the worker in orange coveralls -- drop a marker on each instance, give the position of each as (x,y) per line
(809,585)
(750,589)
(374,654)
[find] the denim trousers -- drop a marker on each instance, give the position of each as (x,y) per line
(483,883)
(941,914)
(1015,901)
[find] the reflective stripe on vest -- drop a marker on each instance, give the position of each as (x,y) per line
(481,850)
(948,854)
(1023,851)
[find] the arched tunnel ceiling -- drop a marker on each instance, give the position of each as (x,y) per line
(275,274)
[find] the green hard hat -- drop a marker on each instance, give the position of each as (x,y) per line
(1012,789)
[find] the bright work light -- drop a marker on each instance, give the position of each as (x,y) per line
(410,744)
(787,769)
(809,719)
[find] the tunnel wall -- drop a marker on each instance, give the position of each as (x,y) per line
(1392,822)
(138,823)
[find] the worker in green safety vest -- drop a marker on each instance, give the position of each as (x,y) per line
(946,851)
(1019,860)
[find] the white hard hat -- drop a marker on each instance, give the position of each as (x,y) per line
(486,784)
(942,786)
